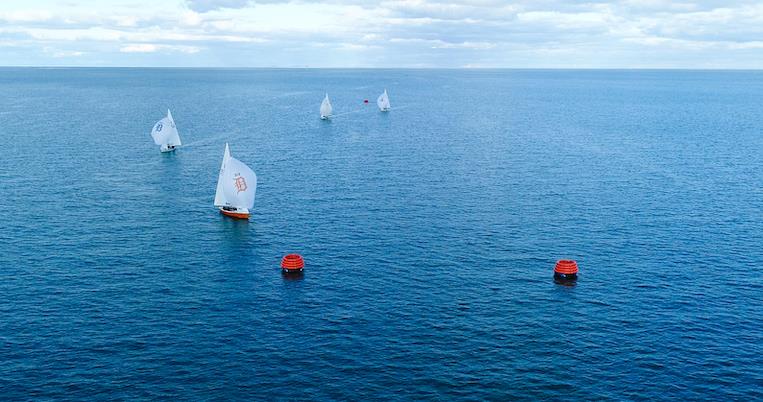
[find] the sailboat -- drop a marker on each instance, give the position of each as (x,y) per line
(165,134)
(383,102)
(326,108)
(236,187)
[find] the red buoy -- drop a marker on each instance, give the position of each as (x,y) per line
(292,263)
(566,270)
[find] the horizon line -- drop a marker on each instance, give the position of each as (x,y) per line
(393,68)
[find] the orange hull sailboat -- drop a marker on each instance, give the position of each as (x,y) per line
(236,187)
(235,214)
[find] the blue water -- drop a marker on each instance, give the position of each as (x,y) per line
(430,235)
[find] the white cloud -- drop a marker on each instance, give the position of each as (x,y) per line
(59,54)
(22,16)
(211,5)
(393,32)
(439,44)
(152,48)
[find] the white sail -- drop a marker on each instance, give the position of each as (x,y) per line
(239,184)
(158,133)
(326,107)
(383,102)
(220,200)
(174,137)
(165,133)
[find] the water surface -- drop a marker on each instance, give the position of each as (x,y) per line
(429,232)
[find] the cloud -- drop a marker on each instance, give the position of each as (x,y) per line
(520,33)
(152,48)
(439,44)
(21,16)
(204,6)
(59,54)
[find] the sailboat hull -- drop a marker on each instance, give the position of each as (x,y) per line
(167,149)
(238,214)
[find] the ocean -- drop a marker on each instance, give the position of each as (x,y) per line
(429,233)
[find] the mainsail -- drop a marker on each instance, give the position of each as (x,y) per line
(383,101)
(173,138)
(326,107)
(220,200)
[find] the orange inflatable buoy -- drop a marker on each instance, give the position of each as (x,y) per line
(566,271)
(292,263)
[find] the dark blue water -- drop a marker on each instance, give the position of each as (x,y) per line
(430,235)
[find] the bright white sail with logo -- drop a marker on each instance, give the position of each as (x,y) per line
(240,184)
(165,134)
(236,187)
(383,102)
(326,108)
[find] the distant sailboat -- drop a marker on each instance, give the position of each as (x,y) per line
(383,102)
(326,108)
(236,187)
(165,134)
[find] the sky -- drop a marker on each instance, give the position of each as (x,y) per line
(397,33)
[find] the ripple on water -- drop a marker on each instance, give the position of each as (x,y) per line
(430,234)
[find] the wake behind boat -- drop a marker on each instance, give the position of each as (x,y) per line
(236,187)
(165,134)
(326,108)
